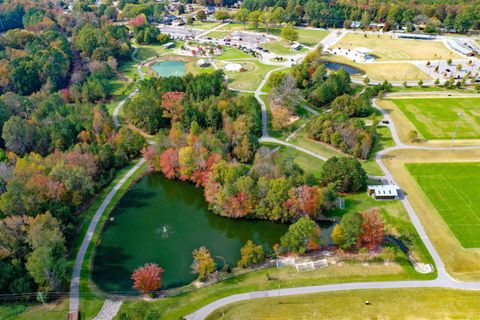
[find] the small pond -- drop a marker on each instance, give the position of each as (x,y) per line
(162,221)
(169,68)
(336,66)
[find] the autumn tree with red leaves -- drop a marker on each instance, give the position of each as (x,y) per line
(147,278)
(305,200)
(169,162)
(373,230)
(173,109)
(137,21)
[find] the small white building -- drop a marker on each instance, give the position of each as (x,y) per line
(355,24)
(361,53)
(202,63)
(295,46)
(383,192)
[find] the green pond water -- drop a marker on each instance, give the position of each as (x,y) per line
(162,221)
(169,68)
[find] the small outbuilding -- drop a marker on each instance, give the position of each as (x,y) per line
(202,63)
(295,46)
(169,45)
(383,192)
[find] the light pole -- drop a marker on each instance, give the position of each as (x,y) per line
(460,115)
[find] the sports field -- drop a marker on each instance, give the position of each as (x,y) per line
(436,118)
(385,48)
(454,190)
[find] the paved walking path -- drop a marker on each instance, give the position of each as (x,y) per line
(77,268)
(75,282)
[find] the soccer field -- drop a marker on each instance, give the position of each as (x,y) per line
(436,118)
(385,48)
(454,190)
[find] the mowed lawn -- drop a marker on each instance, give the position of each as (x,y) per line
(427,303)
(454,190)
(436,118)
(386,48)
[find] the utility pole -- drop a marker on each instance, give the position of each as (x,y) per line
(460,115)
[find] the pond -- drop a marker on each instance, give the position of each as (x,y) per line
(169,68)
(163,221)
(336,66)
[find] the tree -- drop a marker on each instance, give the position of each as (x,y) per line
(449,62)
(242,15)
(352,225)
(47,263)
(201,15)
(147,278)
(338,235)
(221,15)
(203,263)
(251,254)
(373,230)
(366,80)
(299,234)
(289,33)
(420,83)
(305,201)
(254,17)
(347,173)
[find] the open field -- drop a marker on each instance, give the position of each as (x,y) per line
(308,37)
(176,307)
(249,79)
(310,165)
(453,190)
(207,25)
(404,125)
(417,303)
(398,71)
(281,47)
(233,53)
(460,263)
(436,118)
(385,48)
(152,50)
(216,34)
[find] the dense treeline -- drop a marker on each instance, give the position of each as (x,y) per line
(29,61)
(59,156)
(455,15)
(58,148)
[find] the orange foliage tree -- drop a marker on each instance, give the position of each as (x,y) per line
(147,278)
(373,230)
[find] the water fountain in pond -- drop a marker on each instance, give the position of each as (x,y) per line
(164,231)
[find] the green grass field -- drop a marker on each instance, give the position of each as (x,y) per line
(281,47)
(249,79)
(431,303)
(436,118)
(308,37)
(454,191)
